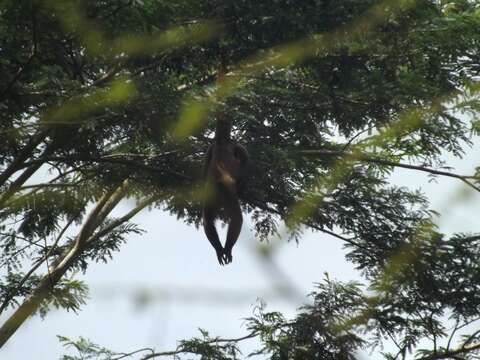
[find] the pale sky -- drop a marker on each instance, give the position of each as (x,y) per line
(165,284)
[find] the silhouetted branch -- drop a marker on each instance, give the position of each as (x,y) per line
(185,350)
(114,159)
(125,355)
(452,354)
(376,160)
(24,154)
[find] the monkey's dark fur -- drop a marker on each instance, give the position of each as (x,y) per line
(224,162)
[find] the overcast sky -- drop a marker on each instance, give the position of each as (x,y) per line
(165,284)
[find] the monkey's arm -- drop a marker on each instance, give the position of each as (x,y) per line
(241,153)
(208,158)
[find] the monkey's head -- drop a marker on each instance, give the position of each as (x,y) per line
(223,130)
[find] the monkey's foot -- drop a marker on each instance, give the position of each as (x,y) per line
(227,256)
(220,257)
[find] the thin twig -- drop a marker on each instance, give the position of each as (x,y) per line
(349,142)
(455,329)
(125,355)
(47,185)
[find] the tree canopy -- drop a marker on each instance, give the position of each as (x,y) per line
(108,100)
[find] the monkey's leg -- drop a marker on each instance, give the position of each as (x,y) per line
(209,214)
(234,213)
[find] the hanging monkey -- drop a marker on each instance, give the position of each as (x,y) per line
(224,161)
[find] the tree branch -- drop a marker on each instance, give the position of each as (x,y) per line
(114,159)
(31,304)
(24,154)
(185,350)
(452,353)
(459,327)
(48,185)
(373,159)
(30,170)
(258,204)
(125,355)
(35,140)
(117,222)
